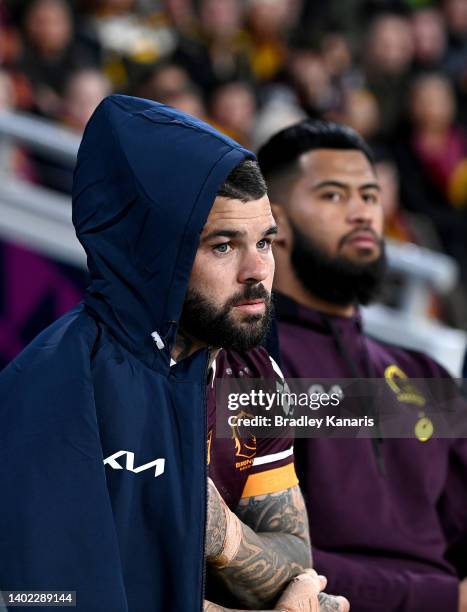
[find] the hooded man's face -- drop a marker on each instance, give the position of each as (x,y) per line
(228,303)
(335,222)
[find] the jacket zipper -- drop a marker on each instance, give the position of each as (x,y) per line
(205,471)
(376,441)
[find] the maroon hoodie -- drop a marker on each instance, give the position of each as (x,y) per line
(388,520)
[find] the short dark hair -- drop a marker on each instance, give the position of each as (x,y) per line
(278,157)
(245,182)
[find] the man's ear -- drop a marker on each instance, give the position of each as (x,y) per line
(284,234)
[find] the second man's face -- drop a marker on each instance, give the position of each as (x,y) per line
(336,202)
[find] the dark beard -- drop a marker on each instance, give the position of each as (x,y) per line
(336,280)
(205,322)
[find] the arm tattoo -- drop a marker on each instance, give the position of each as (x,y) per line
(216,524)
(275,547)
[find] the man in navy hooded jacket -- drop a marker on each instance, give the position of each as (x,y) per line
(103,435)
(388,518)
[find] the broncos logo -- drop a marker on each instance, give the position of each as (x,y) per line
(245,445)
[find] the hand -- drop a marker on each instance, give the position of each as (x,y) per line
(331,603)
(463,596)
(301,595)
(304,594)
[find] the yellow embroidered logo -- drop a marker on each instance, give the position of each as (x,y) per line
(245,445)
(408,393)
(405,390)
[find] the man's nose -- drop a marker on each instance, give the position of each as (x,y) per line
(359,211)
(253,268)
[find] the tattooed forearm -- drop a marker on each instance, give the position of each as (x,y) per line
(216,525)
(275,547)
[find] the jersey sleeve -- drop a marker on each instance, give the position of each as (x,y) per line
(273,467)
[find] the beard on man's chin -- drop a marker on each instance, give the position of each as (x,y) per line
(336,280)
(215,325)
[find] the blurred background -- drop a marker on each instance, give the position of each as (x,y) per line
(396,71)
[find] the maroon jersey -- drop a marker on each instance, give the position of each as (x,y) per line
(246,467)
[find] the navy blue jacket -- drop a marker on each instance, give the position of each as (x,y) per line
(102,444)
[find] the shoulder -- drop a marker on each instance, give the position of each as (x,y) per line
(47,389)
(57,358)
(256,363)
(415,364)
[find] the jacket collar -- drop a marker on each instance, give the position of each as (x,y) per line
(290,311)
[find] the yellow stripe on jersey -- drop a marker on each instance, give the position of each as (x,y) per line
(271,481)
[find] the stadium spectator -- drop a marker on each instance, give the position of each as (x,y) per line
(387,59)
(338,59)
(361,112)
(308,76)
(216,53)
(165,80)
(268,25)
(84,90)
(180,15)
(233,110)
(438,142)
(50,52)
(431,160)
(430,40)
(170,84)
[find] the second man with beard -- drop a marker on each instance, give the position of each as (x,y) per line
(388,518)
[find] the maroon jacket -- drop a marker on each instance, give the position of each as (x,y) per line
(390,533)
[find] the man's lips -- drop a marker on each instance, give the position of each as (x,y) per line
(363,239)
(251,306)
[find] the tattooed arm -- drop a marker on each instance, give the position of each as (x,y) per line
(301,595)
(274,544)
(273,547)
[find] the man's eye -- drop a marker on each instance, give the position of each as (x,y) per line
(264,245)
(222,248)
(332,196)
(371,198)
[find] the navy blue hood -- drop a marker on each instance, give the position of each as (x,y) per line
(83,419)
(146,178)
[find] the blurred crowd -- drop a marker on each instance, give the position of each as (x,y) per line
(394,70)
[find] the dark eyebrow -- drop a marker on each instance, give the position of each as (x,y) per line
(226,233)
(330,184)
(371,186)
(344,186)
